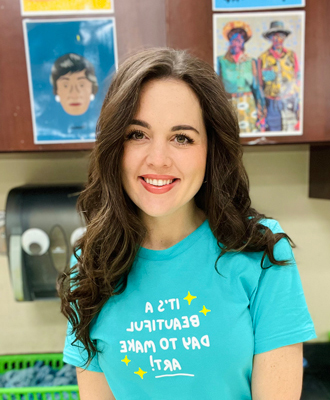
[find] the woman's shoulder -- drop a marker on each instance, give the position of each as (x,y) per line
(282,248)
(272,224)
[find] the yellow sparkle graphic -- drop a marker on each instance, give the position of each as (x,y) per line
(140,373)
(205,310)
(126,360)
(189,298)
(78,38)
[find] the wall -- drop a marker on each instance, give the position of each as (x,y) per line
(279,188)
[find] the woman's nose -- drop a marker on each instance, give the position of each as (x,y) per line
(159,154)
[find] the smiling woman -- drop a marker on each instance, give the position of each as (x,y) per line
(161,144)
(179,289)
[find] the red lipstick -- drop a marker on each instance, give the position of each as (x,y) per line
(158,189)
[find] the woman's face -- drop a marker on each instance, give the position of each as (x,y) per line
(74,91)
(166,140)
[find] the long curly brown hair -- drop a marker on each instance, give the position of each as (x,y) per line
(114,230)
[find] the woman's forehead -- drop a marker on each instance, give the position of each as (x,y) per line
(168,95)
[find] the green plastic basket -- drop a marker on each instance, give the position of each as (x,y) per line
(16,362)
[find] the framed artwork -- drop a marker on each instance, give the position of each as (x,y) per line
(260,58)
(61,7)
(69,64)
(237,5)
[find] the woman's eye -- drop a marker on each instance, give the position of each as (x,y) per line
(183,139)
(135,135)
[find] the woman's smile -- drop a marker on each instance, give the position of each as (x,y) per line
(158,186)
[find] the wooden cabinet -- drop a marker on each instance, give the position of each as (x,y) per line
(319,172)
(182,24)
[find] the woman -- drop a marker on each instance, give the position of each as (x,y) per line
(181,290)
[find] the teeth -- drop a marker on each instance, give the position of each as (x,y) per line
(158,182)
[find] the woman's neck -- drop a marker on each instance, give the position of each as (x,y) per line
(165,232)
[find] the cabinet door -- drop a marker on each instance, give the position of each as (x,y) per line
(138,24)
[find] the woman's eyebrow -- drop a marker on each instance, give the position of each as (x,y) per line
(184,128)
(173,129)
(140,123)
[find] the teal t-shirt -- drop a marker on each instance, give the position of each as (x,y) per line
(181,331)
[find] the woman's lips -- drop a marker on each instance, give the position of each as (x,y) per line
(158,189)
(75,104)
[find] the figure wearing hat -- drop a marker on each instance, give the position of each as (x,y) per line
(279,77)
(239,74)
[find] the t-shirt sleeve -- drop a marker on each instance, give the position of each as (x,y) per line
(75,354)
(279,312)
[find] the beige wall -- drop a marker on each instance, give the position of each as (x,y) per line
(279,178)
(279,188)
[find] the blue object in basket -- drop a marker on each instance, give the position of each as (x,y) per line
(39,375)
